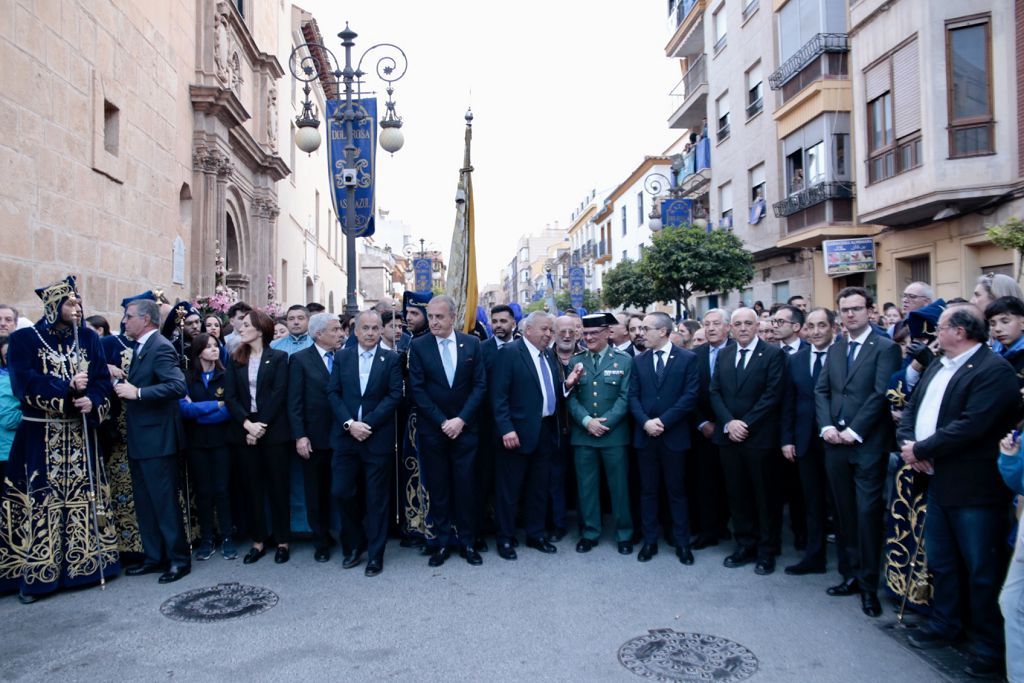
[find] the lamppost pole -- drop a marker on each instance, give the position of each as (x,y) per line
(314,62)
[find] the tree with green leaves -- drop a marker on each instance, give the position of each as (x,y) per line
(686,259)
(1010,235)
(626,285)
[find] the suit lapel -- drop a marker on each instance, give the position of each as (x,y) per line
(375,367)
(867,349)
(752,364)
(658,379)
(527,356)
(140,354)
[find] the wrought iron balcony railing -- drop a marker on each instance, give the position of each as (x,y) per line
(816,194)
(814,48)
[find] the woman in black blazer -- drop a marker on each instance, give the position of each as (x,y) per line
(207,421)
(257,386)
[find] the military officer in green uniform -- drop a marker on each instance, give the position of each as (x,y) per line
(600,432)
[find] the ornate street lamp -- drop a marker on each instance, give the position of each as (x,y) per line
(312,61)
(658,185)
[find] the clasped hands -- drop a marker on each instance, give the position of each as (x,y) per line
(78,383)
(254,431)
(907,453)
(839,438)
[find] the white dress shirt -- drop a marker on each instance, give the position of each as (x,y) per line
(535,354)
(750,348)
(927,420)
(323,355)
(667,348)
(792,347)
(141,341)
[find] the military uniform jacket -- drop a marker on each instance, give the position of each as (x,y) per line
(603,391)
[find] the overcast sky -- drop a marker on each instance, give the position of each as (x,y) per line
(568,96)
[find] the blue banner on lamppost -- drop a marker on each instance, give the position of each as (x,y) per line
(422,269)
(364,134)
(577,286)
(676,212)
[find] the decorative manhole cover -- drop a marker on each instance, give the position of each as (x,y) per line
(220,602)
(667,655)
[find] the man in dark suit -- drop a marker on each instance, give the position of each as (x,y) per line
(364,392)
(619,337)
(662,398)
(788,325)
(447,380)
(801,444)
(309,415)
(503,323)
(746,393)
(155,435)
(707,480)
(526,389)
(951,428)
(853,413)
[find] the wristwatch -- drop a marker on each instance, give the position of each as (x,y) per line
(138,393)
(347,424)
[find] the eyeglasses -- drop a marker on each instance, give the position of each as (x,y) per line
(779,322)
(913,296)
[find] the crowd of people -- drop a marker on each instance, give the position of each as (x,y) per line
(889,432)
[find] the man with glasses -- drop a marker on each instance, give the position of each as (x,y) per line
(788,321)
(853,412)
(916,295)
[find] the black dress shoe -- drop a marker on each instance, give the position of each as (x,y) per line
(254,555)
(685,555)
(438,558)
(847,587)
(985,667)
(541,544)
(869,604)
(742,556)
(144,568)
(506,551)
(26,598)
(647,551)
(471,556)
(928,640)
(765,566)
(805,567)
(352,559)
(480,545)
(585,545)
(175,573)
(625,547)
(557,534)
(429,550)
(282,555)
(322,555)
(702,542)
(374,567)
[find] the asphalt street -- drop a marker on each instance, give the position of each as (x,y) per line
(558,617)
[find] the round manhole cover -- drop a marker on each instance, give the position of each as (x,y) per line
(667,655)
(220,602)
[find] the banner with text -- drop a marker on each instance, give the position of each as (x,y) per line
(364,135)
(676,212)
(422,269)
(577,286)
(843,257)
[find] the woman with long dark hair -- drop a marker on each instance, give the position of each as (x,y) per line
(213,326)
(206,427)
(256,388)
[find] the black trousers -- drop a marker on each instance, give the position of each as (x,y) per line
(658,463)
(813,484)
(448,468)
(363,528)
(316,480)
(750,481)
(512,468)
(155,488)
(792,495)
(857,482)
(708,487)
(211,472)
(266,475)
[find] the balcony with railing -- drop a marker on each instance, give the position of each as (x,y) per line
(694,169)
(685,35)
(604,252)
(689,96)
(815,194)
(821,43)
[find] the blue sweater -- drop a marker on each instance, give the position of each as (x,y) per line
(204,412)
(10,415)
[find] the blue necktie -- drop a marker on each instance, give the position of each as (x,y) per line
(329,357)
(549,400)
(711,357)
(659,365)
(365,366)
(850,355)
(448,361)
